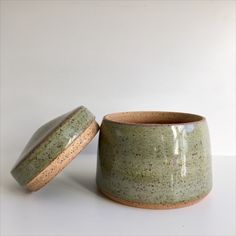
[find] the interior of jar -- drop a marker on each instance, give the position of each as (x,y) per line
(153,117)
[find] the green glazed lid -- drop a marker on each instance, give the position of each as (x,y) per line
(53,146)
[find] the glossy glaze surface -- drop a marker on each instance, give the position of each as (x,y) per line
(49,141)
(159,159)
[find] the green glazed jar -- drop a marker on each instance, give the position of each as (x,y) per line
(154,159)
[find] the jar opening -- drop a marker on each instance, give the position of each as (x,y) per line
(153,117)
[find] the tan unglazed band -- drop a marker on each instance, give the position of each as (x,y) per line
(63,159)
(151,206)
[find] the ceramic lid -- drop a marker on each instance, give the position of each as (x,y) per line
(53,146)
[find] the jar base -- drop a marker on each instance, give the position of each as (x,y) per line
(151,206)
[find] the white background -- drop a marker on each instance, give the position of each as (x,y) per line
(115,56)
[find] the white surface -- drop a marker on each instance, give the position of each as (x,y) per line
(70,205)
(117,56)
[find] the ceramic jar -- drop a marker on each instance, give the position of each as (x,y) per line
(154,159)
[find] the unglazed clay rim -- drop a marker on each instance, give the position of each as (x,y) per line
(109,117)
(152,206)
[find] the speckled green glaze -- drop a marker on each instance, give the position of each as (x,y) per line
(49,141)
(161,164)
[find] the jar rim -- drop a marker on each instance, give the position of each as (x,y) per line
(153,118)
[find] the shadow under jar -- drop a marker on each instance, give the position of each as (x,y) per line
(154,159)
